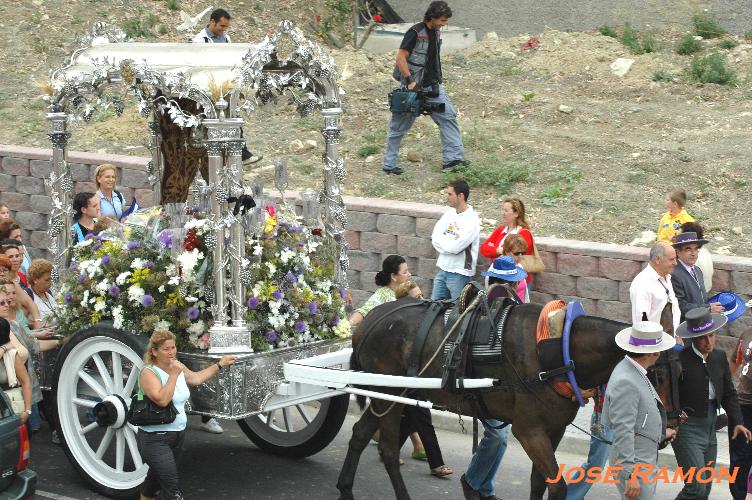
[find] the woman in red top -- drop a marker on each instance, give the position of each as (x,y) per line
(513,214)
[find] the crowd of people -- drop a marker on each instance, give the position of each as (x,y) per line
(670,304)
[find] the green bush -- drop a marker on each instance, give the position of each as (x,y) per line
(728,43)
(707,26)
(368,150)
(712,68)
(663,75)
(748,35)
(688,45)
(501,176)
(649,44)
(173,4)
(606,30)
(134,28)
(630,40)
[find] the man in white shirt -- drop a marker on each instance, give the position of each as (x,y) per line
(651,292)
(456,238)
(216,30)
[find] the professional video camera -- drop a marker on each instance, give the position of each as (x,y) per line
(402,100)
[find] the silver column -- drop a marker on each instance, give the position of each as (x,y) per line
(155,167)
(334,214)
(237,235)
(216,241)
(61,192)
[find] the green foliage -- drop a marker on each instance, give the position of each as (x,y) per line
(607,30)
(338,12)
(740,182)
(748,35)
(368,150)
(489,172)
(173,4)
(728,43)
(630,40)
(707,26)
(688,45)
(528,96)
(551,195)
(649,44)
(138,28)
(663,75)
(712,69)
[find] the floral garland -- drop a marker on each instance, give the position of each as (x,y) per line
(294,297)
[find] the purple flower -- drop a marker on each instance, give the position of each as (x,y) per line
(96,246)
(296,229)
(106,260)
(271,336)
(313,307)
(253,303)
(343,293)
(113,291)
(73,266)
(165,238)
(90,236)
(132,245)
(291,277)
(147,300)
(81,278)
(334,322)
(149,264)
(68,298)
(277,295)
(193,313)
(300,326)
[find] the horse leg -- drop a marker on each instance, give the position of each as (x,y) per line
(539,447)
(362,432)
(389,448)
(537,480)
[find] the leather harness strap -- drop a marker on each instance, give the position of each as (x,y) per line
(429,317)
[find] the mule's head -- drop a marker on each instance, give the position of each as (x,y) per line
(664,375)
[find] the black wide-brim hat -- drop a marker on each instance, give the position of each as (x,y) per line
(687,238)
(699,322)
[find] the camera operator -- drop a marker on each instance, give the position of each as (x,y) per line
(419,69)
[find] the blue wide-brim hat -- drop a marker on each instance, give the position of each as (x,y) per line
(504,268)
(733,305)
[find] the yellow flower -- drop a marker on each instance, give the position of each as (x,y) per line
(175,299)
(269,224)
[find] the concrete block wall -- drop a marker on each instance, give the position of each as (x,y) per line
(597,274)
(23,171)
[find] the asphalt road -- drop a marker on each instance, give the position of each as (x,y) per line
(230,466)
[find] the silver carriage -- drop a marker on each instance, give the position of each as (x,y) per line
(93,375)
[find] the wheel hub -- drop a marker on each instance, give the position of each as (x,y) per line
(111,411)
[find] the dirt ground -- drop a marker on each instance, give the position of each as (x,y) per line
(591,154)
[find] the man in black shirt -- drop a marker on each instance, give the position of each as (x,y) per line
(418,67)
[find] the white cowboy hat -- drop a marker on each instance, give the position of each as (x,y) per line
(644,337)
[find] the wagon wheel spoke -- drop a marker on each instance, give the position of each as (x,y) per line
(285,417)
(119,451)
(303,414)
(131,383)
(88,428)
(269,419)
(106,440)
(103,373)
(88,403)
(117,372)
(92,383)
(130,439)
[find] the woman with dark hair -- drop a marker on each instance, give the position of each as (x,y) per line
(85,211)
(10,230)
(393,273)
(12,369)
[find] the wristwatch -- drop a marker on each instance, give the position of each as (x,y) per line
(27,411)
(218,365)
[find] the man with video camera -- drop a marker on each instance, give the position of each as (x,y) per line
(418,69)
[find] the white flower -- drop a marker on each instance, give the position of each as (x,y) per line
(173,281)
(272,268)
(258,250)
(85,299)
(343,329)
(85,243)
(120,280)
(162,325)
(103,286)
(197,328)
(286,255)
(171,270)
(100,305)
(195,224)
(188,261)
(312,246)
(135,293)
(305,260)
(117,317)
(190,299)
(161,288)
(138,263)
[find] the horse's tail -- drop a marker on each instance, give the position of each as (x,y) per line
(354,365)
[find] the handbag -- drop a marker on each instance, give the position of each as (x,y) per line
(533,263)
(144,411)
(16,400)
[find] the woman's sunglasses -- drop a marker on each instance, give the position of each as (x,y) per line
(519,254)
(4,303)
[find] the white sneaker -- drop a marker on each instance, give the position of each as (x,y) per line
(212,426)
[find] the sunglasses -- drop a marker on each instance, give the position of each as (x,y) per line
(4,303)
(519,254)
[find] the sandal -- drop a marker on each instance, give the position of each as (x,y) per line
(442,471)
(419,455)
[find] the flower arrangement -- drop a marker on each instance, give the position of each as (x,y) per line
(293,297)
(135,284)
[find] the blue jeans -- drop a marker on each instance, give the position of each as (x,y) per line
(481,473)
(35,420)
(448,285)
(596,458)
(451,139)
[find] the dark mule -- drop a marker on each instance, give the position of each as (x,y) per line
(539,415)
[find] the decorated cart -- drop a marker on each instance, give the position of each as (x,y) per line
(266,282)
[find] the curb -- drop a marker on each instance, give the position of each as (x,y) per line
(573,441)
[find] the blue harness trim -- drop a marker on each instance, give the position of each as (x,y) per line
(574,311)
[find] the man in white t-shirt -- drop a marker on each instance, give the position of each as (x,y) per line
(456,238)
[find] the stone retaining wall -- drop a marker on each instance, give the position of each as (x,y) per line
(598,274)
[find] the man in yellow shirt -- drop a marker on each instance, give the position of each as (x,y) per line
(670,224)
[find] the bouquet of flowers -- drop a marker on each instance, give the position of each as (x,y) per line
(293,297)
(133,284)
